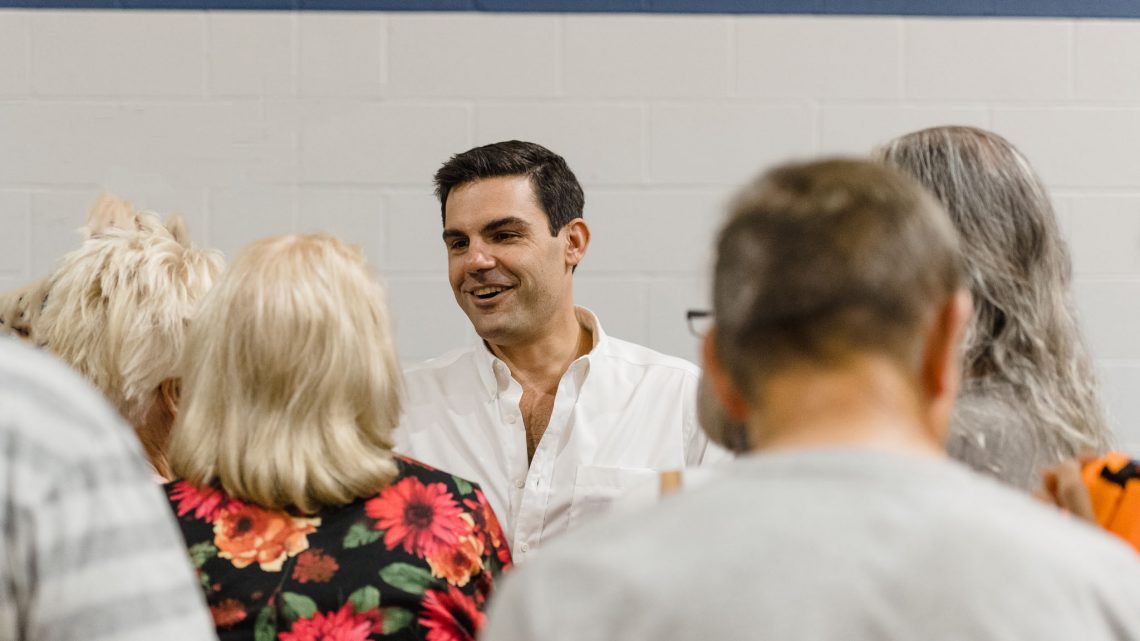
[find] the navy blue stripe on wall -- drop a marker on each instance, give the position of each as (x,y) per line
(991,8)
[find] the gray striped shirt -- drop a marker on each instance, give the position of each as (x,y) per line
(88,547)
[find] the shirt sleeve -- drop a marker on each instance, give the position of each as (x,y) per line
(93,551)
(110,566)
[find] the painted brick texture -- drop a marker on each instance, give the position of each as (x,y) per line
(261,123)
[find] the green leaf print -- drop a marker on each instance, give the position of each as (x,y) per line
(463,486)
(202,552)
(298,606)
(365,599)
(396,619)
(407,577)
(360,534)
(265,629)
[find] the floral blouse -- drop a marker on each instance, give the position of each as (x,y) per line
(417,561)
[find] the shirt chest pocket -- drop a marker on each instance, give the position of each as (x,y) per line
(597,487)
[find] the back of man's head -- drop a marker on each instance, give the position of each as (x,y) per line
(825,260)
(555,186)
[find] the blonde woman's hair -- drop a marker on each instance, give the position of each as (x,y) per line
(116,309)
(292,386)
(1030,395)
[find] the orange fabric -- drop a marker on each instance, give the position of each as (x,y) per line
(1113,481)
(670,482)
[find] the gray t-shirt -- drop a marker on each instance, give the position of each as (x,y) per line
(89,549)
(827,545)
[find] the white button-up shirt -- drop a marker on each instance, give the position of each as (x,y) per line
(622,413)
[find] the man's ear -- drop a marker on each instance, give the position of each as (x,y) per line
(169,392)
(941,367)
(577,240)
(725,391)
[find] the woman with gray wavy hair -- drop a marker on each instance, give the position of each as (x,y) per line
(1029,398)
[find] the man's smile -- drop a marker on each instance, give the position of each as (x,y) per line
(488,295)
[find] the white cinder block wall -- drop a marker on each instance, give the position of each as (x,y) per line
(260,123)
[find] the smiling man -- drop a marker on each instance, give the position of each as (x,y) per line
(552,417)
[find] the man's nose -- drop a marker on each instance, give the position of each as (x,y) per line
(478,258)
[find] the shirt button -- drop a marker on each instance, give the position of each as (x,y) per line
(520,483)
(512,419)
(525,547)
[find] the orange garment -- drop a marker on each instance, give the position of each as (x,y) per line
(1113,481)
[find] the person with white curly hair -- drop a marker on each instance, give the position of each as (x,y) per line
(116,309)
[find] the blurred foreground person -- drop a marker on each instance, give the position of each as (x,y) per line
(90,550)
(839,305)
(1029,397)
(301,521)
(116,310)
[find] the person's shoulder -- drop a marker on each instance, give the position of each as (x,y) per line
(624,352)
(30,373)
(49,403)
(426,474)
(432,387)
(584,583)
(1004,523)
(458,361)
(1061,556)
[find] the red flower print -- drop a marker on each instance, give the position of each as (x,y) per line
(253,535)
(457,563)
(342,625)
(314,567)
(206,502)
(450,616)
(486,522)
(419,517)
(228,613)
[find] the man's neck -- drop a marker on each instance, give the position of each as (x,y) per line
(867,403)
(541,362)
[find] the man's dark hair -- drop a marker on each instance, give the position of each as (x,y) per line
(556,187)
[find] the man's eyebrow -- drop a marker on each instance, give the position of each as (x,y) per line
(449,234)
(506,221)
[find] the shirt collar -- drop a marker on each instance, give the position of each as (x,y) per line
(496,376)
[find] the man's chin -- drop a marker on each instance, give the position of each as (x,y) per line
(497,331)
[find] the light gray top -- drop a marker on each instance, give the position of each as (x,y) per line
(89,549)
(992,432)
(830,545)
